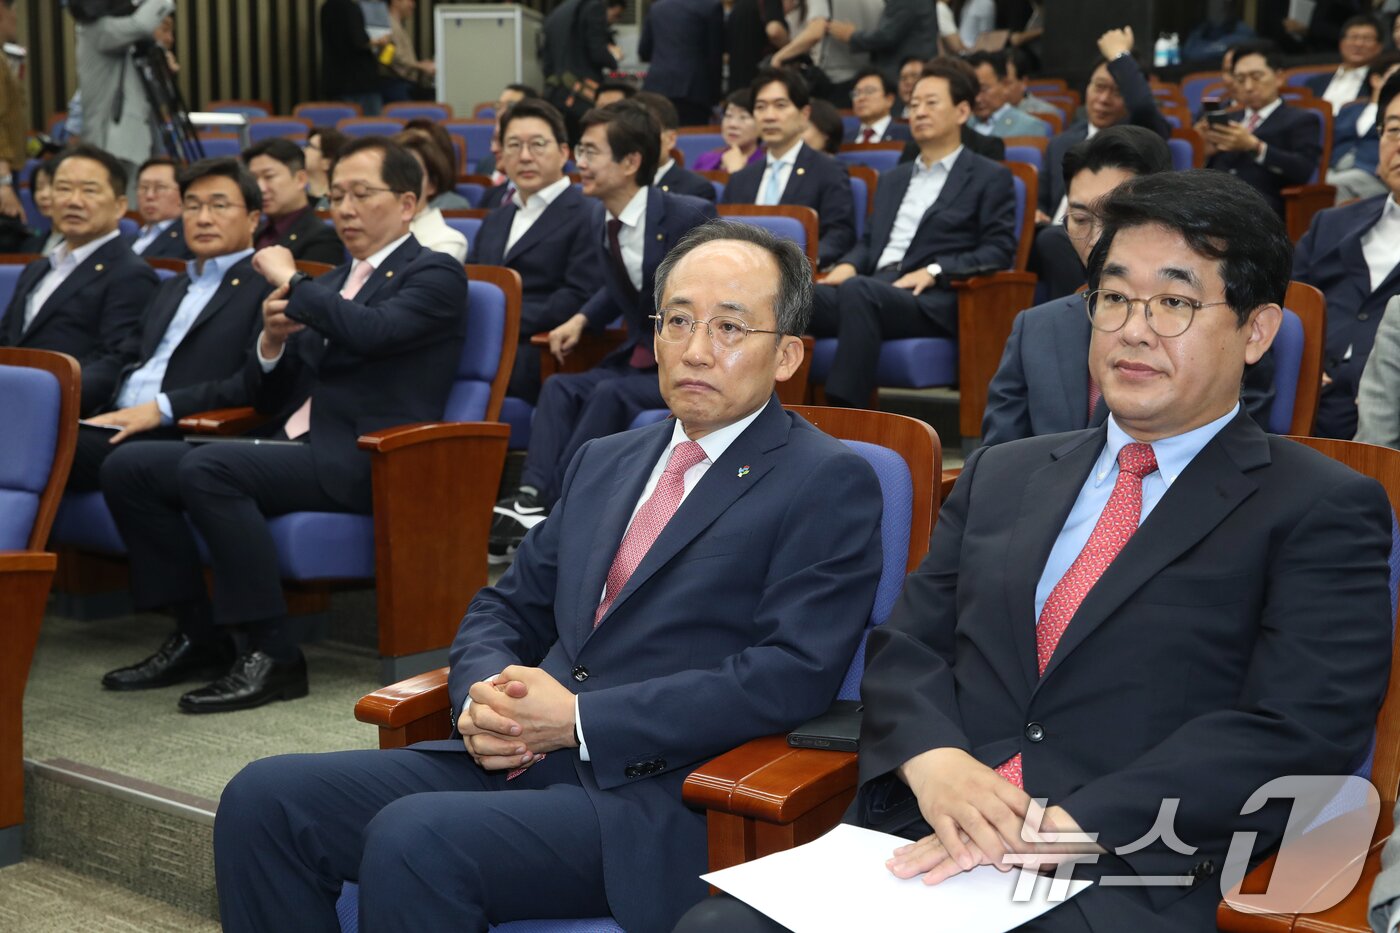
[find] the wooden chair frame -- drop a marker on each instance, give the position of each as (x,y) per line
(1301,202)
(266,106)
(872,181)
(1311,307)
(391,110)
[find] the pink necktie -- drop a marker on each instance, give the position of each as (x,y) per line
(867,135)
(1115,526)
(1253,121)
(300,421)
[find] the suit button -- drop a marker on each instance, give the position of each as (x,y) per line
(661,764)
(1363,316)
(631,772)
(580,673)
(1035,731)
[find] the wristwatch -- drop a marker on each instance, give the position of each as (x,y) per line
(296,279)
(934,270)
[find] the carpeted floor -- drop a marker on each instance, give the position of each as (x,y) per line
(39,897)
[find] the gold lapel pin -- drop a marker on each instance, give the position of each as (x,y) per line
(292,237)
(802,171)
(235,281)
(100,267)
(660,236)
(389,274)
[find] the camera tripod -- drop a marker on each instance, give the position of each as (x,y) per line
(168,108)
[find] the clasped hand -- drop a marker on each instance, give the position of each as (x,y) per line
(516,717)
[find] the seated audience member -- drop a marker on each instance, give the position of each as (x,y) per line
(1355,142)
(616,158)
(905,28)
(193,341)
(683,42)
(693,655)
(795,173)
(88,295)
(992,113)
(1018,69)
(670,176)
(323,144)
(545,233)
(445,196)
(428,227)
(1177,537)
(288,218)
(872,101)
(911,69)
(1269,145)
(1117,93)
(1352,254)
(511,94)
(825,131)
(988,147)
(358,350)
(1043,384)
(1359,46)
(610,92)
(41,187)
(740,131)
(158,202)
(950,213)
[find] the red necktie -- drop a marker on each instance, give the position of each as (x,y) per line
(1115,526)
(867,135)
(299,422)
(1252,122)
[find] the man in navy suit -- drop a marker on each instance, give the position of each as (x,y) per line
(370,345)
(1131,624)
(1359,45)
(1352,255)
(684,42)
(1268,145)
(1355,142)
(617,157)
(289,220)
(602,667)
(950,213)
(872,101)
(545,233)
(670,176)
(87,297)
(193,342)
(161,236)
(793,172)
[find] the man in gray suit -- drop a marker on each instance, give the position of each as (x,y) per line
(116,114)
(906,28)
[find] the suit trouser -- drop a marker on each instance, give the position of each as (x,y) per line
(227,491)
(435,842)
(94,447)
(725,914)
(863,312)
(577,407)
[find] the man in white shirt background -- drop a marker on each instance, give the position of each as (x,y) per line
(1360,44)
(1355,142)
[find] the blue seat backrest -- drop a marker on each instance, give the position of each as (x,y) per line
(1020,188)
(1027,154)
(471,191)
(719,188)
(789,228)
(422,111)
(692,145)
(326,115)
(1288,361)
(476,137)
(481,353)
(291,129)
(248,110)
(897,494)
(468,227)
(9,278)
(861,194)
(881,160)
(1173,120)
(221,148)
(380,126)
(1183,157)
(1193,90)
(485,113)
(32,216)
(459,154)
(1321,125)
(128,227)
(30,420)
(850,127)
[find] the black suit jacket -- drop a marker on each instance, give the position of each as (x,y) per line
(1205,662)
(689,37)
(681,180)
(348,63)
(1294,147)
(576,42)
(817,181)
(169,245)
(988,147)
(207,368)
(314,240)
(387,358)
(88,316)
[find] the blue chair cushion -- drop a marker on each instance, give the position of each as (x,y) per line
(324,545)
(860,194)
(85,522)
(692,145)
(789,228)
(918,362)
(881,160)
(32,403)
(1182,155)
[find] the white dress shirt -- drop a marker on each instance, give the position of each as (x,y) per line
(62,262)
(877,130)
(925,185)
(528,210)
(148,235)
(632,236)
(1381,244)
(784,164)
(1366,120)
(1344,87)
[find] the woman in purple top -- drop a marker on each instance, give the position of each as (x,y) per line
(740,132)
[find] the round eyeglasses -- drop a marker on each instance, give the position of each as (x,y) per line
(726,333)
(1167,315)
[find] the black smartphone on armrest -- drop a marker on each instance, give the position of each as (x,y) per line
(837,730)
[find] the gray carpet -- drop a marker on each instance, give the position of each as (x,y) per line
(38,897)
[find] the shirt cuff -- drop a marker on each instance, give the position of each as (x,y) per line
(578,727)
(1263,151)
(268,365)
(167,416)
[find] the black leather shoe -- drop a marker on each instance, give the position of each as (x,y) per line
(254,679)
(177,661)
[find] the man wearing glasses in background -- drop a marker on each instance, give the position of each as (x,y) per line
(158,201)
(370,345)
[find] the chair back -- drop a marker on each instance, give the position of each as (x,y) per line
(11,265)
(418,110)
(473,187)
(486,110)
(880,156)
(1026,181)
(1028,155)
(166,267)
(694,145)
(249,108)
(41,390)
(294,128)
(476,139)
(326,112)
(222,146)
(1188,149)
(467,223)
(369,126)
(1309,308)
(1298,76)
(129,226)
(1288,356)
(1056,121)
(1321,111)
(488,353)
(789,221)
(1194,85)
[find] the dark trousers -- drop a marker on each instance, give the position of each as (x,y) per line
(95,445)
(693,113)
(227,491)
(577,407)
(863,312)
(434,842)
(725,914)
(525,374)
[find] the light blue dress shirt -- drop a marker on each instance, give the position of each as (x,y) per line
(925,185)
(143,384)
(1173,454)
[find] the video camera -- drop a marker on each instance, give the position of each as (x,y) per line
(88,11)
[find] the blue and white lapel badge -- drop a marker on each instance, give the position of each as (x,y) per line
(743,471)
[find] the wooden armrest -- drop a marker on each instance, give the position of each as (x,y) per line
(987,307)
(769,780)
(592,347)
(409,435)
(222,421)
(412,710)
(949,478)
(1301,202)
(25,577)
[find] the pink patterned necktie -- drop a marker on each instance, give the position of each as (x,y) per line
(1253,122)
(650,519)
(1115,526)
(300,421)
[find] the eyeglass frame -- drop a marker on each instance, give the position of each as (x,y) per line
(521,144)
(1146,311)
(217,208)
(660,316)
(1097,224)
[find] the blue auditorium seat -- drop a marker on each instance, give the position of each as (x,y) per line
(692,145)
(294,128)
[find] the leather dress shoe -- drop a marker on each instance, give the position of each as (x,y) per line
(254,679)
(177,661)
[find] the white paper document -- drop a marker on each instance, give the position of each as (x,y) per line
(840,882)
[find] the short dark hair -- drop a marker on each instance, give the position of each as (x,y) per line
(911,58)
(154,161)
(435,164)
(116,171)
(1220,217)
(1388,92)
(609,4)
(827,119)
(223,168)
(279,149)
(1020,59)
(332,140)
(440,137)
(1383,63)
(1131,148)
(792,305)
(797,90)
(630,128)
(1361,19)
(741,98)
(525,89)
(626,88)
(1264,49)
(540,109)
(887,84)
(400,170)
(996,60)
(46,168)
(661,108)
(962,80)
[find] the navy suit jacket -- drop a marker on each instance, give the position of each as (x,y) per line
(314,240)
(684,41)
(556,258)
(681,180)
(1294,148)
(739,622)
(668,218)
(817,181)
(1366,149)
(1204,662)
(989,147)
(88,316)
(905,28)
(207,368)
(169,245)
(1329,258)
(386,358)
(1318,84)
